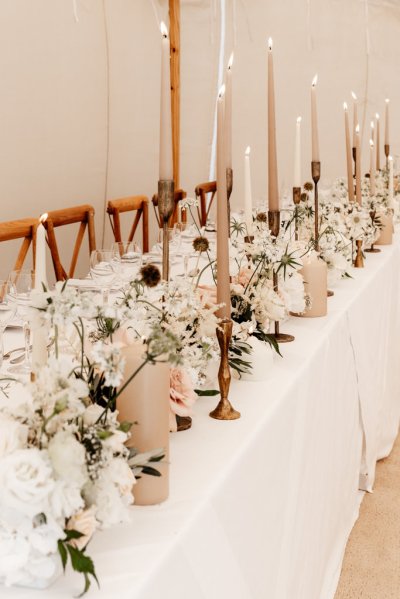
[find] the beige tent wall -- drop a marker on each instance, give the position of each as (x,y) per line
(79,102)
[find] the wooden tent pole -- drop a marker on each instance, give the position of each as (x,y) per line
(174,26)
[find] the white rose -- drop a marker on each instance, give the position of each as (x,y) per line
(44,538)
(14,556)
(68,458)
(116,441)
(65,499)
(13,435)
(92,414)
(26,481)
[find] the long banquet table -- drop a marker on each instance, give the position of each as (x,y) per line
(261,507)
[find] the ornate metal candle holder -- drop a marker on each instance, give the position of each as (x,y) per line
(387,154)
(372,249)
(354,159)
(359,260)
(224,409)
(274,221)
(296,202)
(165,208)
(229,187)
(316,174)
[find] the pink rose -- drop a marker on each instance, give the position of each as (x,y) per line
(181,394)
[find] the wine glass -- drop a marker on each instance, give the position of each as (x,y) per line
(8,309)
(127,259)
(21,284)
(102,272)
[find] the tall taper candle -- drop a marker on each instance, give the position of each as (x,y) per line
(40,333)
(166,168)
(273,194)
(314,122)
(373,131)
(248,200)
(378,143)
(387,122)
(358,166)
(355,117)
(372,185)
(349,159)
(228,114)
(223,280)
(297,155)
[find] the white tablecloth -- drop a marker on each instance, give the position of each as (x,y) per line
(261,507)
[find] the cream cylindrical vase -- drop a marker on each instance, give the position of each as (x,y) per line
(146,401)
(315,275)
(386,234)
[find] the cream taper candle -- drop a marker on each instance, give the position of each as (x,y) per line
(378,143)
(355,117)
(349,158)
(228,114)
(223,279)
(372,185)
(273,193)
(387,122)
(248,200)
(358,166)
(297,155)
(314,122)
(39,332)
(166,165)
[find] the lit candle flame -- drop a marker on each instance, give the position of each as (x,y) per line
(314,81)
(221,90)
(371,143)
(163,29)
(230,63)
(390,158)
(377,116)
(345,105)
(387,100)
(354,96)
(270,43)
(358,128)
(372,125)
(247,152)
(43,218)
(299,119)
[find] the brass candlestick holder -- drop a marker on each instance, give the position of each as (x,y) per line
(359,259)
(165,208)
(296,202)
(387,154)
(224,409)
(229,187)
(372,249)
(274,221)
(355,160)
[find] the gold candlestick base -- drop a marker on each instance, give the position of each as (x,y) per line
(165,209)
(372,250)
(224,409)
(355,159)
(278,336)
(229,187)
(330,293)
(387,154)
(316,174)
(296,201)
(359,260)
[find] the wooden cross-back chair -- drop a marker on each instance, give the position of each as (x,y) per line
(67,216)
(202,190)
(138,204)
(24,229)
(179,195)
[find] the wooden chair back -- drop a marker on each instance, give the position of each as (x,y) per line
(67,216)
(138,204)
(24,229)
(178,196)
(202,190)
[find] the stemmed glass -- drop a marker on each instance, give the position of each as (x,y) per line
(21,283)
(102,272)
(127,259)
(8,308)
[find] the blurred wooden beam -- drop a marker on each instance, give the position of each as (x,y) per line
(174,32)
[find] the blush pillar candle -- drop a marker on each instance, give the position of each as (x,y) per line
(315,275)
(248,201)
(166,164)
(349,159)
(223,280)
(314,122)
(273,194)
(39,333)
(358,166)
(145,400)
(297,155)
(378,143)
